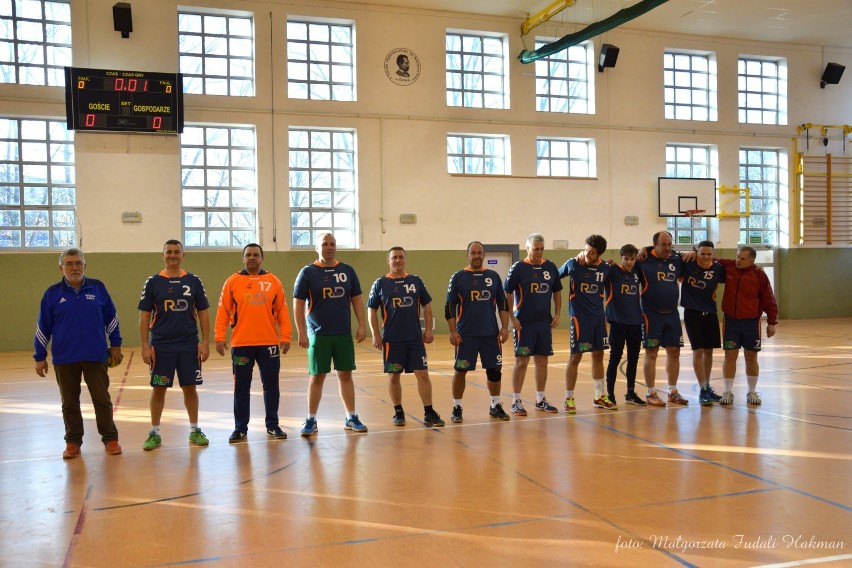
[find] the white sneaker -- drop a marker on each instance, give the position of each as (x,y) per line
(727,398)
(753,398)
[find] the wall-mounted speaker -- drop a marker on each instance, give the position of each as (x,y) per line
(122,18)
(831,75)
(609,55)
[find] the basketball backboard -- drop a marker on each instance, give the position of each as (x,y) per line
(677,196)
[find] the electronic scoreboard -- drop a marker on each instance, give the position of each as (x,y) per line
(123,101)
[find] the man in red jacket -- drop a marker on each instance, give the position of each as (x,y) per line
(748,295)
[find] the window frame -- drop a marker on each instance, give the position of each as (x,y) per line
(339,90)
(762,205)
(748,92)
(50,57)
(465,157)
(693,229)
(569,158)
(556,71)
(210,59)
(57,159)
(303,174)
(209,153)
(473,77)
(677,96)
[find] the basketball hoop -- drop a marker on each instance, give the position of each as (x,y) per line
(694,214)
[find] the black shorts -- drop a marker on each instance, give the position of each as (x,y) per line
(702,328)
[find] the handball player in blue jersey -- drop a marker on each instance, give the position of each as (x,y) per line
(531,285)
(324,294)
(662,270)
(400,295)
(624,315)
(172,308)
(701,276)
(474,294)
(588,273)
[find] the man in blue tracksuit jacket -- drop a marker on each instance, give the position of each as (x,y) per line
(78,314)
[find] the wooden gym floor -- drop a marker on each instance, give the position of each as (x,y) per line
(687,486)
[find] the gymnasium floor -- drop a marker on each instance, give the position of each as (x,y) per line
(734,486)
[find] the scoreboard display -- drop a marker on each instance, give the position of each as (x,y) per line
(123,101)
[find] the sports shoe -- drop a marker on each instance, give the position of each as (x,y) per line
(570,407)
(154,440)
(399,418)
(72,450)
(497,412)
(655,400)
(633,398)
(198,438)
(112,448)
(605,402)
(237,436)
(704,397)
(675,398)
(355,424)
(711,394)
(309,428)
(753,398)
(277,433)
(518,408)
(456,416)
(545,406)
(433,419)
(727,398)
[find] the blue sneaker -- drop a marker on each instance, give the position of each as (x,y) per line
(310,427)
(355,424)
(704,397)
(711,394)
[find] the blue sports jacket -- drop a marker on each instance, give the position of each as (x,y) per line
(78,321)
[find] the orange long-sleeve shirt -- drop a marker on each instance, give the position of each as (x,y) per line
(256,309)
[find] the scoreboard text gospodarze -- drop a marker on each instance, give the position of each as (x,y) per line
(123,101)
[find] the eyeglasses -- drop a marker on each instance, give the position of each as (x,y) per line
(73,264)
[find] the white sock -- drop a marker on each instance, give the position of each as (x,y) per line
(752,383)
(539,396)
(495,400)
(569,394)
(156,429)
(652,391)
(516,397)
(600,386)
(312,416)
(729,385)
(193,427)
(457,402)
(352,414)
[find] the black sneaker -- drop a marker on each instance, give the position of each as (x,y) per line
(399,418)
(633,398)
(433,419)
(498,413)
(276,433)
(456,416)
(237,436)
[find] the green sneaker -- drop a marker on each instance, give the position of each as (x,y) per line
(152,442)
(198,438)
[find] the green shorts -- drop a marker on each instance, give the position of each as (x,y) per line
(322,349)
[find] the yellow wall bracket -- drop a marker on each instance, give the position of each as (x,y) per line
(739,193)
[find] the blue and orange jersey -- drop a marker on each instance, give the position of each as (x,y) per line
(622,296)
(328,292)
(255,307)
(661,291)
(400,300)
(586,289)
(174,304)
(698,288)
(529,288)
(474,296)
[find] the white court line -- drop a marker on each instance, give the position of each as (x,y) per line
(809,561)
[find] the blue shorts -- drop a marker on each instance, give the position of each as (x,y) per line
(166,362)
(588,334)
(533,340)
(742,333)
(662,330)
(487,348)
(404,356)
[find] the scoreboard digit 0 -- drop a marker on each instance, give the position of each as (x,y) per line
(123,101)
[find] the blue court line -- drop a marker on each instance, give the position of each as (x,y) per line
(705,498)
(721,465)
(188,495)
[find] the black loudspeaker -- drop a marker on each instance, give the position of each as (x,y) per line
(609,54)
(831,75)
(122,19)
